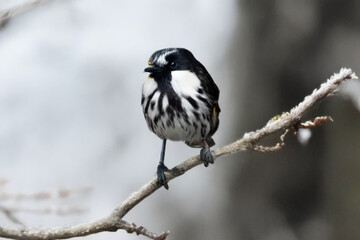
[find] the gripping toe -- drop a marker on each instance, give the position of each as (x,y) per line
(161,175)
(206,156)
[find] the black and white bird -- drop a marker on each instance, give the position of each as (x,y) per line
(180,103)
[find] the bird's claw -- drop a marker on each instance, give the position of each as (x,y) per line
(161,169)
(206,156)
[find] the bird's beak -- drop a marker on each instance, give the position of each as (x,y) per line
(152,69)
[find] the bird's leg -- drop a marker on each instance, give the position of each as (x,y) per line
(205,154)
(162,168)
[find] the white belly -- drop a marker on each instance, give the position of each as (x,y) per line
(186,125)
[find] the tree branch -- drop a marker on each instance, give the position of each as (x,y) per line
(6,15)
(287,121)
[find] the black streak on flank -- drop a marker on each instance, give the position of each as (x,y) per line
(156,119)
(192,102)
(195,125)
(204,100)
(203,130)
(152,105)
(186,118)
(160,104)
(149,99)
(197,115)
(170,113)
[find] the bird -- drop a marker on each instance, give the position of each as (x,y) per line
(180,103)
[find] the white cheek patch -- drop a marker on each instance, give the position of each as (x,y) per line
(185,83)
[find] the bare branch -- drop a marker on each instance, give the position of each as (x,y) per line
(5,15)
(113,222)
(131,228)
(44,195)
(106,224)
(316,122)
(9,214)
(46,210)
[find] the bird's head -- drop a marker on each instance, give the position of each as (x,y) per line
(170,59)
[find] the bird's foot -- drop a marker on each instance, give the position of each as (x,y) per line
(161,169)
(206,156)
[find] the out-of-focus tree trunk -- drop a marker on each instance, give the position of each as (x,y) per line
(282,51)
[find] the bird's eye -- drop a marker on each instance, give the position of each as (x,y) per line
(173,64)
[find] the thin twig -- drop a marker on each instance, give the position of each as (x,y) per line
(5,15)
(46,210)
(44,195)
(114,221)
(9,214)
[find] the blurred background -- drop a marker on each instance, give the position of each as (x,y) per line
(74,143)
